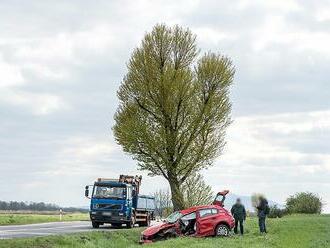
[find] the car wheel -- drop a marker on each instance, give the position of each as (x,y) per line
(222,230)
(95,224)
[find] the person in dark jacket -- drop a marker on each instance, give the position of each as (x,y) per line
(263,211)
(239,214)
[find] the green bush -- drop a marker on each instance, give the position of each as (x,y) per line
(304,202)
(276,212)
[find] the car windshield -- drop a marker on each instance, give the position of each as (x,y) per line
(109,192)
(172,218)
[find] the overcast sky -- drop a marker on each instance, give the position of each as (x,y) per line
(61,63)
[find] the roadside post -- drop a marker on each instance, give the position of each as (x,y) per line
(61,212)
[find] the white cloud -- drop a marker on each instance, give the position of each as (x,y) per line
(37,103)
(82,155)
(10,74)
(278,5)
(323,13)
(276,31)
(256,138)
(211,35)
(261,152)
(86,148)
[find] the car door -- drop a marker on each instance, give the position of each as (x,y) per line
(206,221)
(186,219)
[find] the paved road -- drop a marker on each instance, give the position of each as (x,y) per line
(44,229)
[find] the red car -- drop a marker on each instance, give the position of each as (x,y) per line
(200,221)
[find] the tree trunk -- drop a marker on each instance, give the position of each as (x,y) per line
(177,196)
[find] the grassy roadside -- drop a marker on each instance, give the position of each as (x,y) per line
(294,231)
(20,219)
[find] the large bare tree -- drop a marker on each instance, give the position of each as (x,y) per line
(174,106)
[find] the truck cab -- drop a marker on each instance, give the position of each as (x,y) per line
(118,202)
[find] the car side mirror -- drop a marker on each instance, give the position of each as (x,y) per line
(87,191)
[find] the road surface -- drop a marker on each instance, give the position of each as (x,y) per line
(53,228)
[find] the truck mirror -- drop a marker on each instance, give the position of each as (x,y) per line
(87,191)
(133,192)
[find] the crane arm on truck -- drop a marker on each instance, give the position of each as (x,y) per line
(134,180)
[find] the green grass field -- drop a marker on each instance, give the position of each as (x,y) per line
(293,231)
(20,219)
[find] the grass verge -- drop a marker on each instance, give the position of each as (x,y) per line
(20,219)
(292,231)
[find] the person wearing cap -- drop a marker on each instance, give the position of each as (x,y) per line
(239,214)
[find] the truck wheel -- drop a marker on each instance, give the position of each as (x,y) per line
(222,230)
(130,224)
(95,224)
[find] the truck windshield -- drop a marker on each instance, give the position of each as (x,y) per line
(172,218)
(109,192)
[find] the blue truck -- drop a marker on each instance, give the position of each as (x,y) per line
(118,201)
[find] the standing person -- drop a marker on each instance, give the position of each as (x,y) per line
(263,211)
(239,214)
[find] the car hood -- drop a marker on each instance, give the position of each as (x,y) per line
(156,228)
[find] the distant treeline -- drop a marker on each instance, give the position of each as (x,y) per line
(35,206)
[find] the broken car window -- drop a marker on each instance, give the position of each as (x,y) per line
(190,216)
(172,218)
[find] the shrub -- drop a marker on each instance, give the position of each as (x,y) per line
(304,202)
(276,212)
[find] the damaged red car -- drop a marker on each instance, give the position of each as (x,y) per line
(199,221)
